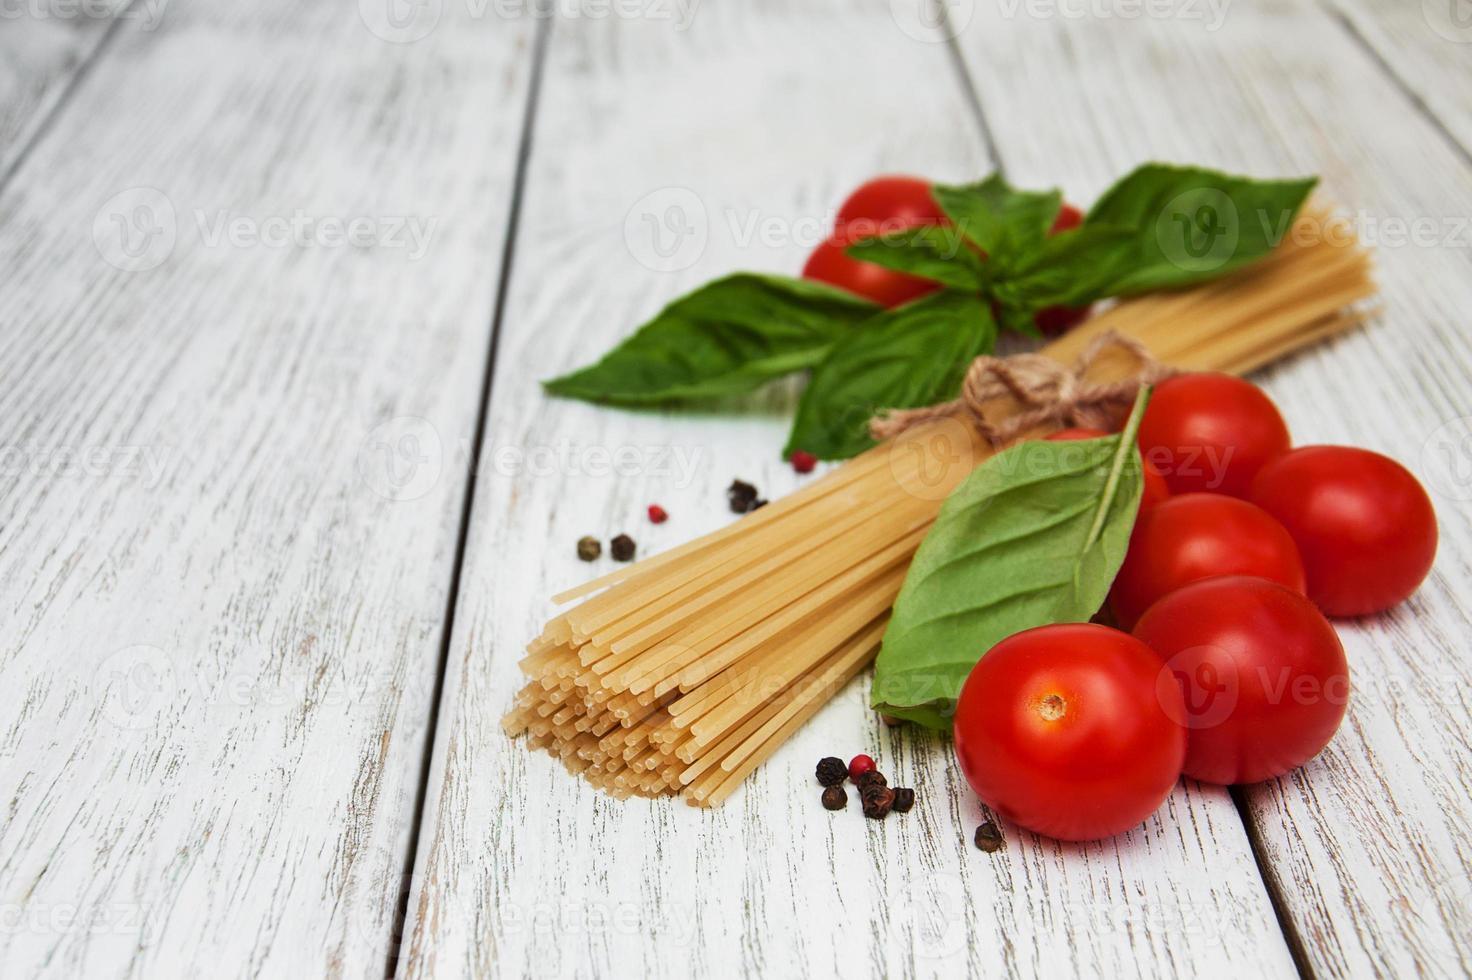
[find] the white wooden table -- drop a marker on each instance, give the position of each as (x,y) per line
(281,499)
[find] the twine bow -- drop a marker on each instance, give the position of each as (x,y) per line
(1045,391)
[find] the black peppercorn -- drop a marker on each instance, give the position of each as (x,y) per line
(741,496)
(589,548)
(871,778)
(831,771)
(622,548)
(834,798)
(988,837)
(903,799)
(877,800)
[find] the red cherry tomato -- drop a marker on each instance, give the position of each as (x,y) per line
(1062,729)
(1197,536)
(1154,490)
(830,263)
(1211,432)
(1264,676)
(1364,525)
(897,201)
(1055,320)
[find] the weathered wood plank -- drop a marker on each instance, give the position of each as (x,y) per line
(1371,844)
(249,280)
(1427,47)
(42,48)
(757,116)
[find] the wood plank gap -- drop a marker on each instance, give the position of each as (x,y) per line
(1402,85)
(968,85)
(467,505)
(1291,934)
(48,117)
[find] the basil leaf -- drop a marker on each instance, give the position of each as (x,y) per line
(1071,268)
(1006,223)
(936,252)
(728,336)
(1195,224)
(913,355)
(1035,535)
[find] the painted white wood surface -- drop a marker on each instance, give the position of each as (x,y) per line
(1369,846)
(757,113)
(224,563)
(42,47)
(1427,47)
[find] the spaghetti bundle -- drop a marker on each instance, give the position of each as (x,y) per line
(683,672)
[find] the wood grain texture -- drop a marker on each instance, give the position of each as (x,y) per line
(233,479)
(42,47)
(1370,845)
(1427,47)
(757,116)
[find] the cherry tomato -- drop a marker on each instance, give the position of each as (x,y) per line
(1196,536)
(1364,525)
(1062,729)
(1211,432)
(897,201)
(831,264)
(1154,490)
(1055,320)
(1264,676)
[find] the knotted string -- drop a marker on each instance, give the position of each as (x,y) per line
(1046,392)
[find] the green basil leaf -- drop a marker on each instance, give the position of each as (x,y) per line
(936,252)
(1071,268)
(913,355)
(729,336)
(1006,223)
(1035,535)
(1195,224)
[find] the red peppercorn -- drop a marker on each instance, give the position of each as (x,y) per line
(658,514)
(803,462)
(859,765)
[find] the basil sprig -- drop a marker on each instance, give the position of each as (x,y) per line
(1161,227)
(1034,535)
(728,336)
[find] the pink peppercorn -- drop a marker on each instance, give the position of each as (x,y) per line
(803,462)
(657,514)
(859,765)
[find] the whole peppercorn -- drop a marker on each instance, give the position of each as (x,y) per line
(903,799)
(622,548)
(988,837)
(741,496)
(871,777)
(877,801)
(834,798)
(831,771)
(859,765)
(657,514)
(803,462)
(589,548)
